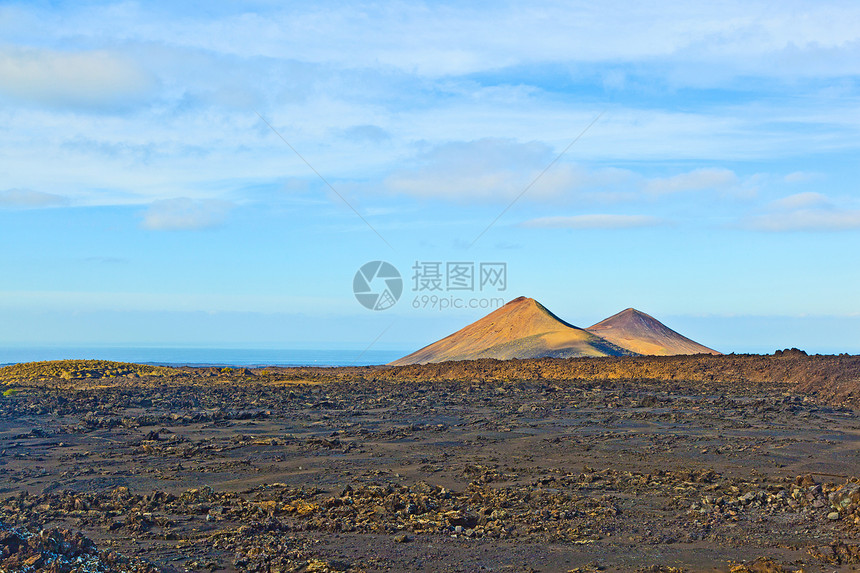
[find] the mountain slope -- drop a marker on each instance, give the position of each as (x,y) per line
(523,328)
(644,334)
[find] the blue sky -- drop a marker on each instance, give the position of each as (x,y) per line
(143,200)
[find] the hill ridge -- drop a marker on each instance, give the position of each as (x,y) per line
(521,328)
(642,333)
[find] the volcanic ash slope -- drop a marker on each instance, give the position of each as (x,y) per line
(644,334)
(523,328)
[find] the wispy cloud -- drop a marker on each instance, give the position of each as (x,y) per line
(801,177)
(183,214)
(801,200)
(805,212)
(30,199)
(733,37)
(427,74)
(494,169)
(807,220)
(595,221)
(485,169)
(696,180)
(91,79)
(365,133)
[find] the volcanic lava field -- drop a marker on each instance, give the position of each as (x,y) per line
(697,463)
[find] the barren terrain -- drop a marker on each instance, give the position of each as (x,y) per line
(702,463)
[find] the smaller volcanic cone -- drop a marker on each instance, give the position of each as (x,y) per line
(644,334)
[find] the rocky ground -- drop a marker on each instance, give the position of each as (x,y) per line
(669,465)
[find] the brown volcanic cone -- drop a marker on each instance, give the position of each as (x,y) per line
(644,334)
(523,328)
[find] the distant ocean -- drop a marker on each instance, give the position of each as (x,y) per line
(205,356)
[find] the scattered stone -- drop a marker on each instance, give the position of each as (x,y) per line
(530,456)
(763,565)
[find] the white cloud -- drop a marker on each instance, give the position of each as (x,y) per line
(595,221)
(807,220)
(444,39)
(696,180)
(367,133)
(91,79)
(496,169)
(801,200)
(315,70)
(185,214)
(805,212)
(29,199)
(490,168)
(801,177)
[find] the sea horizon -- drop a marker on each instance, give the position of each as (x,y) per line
(179,356)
